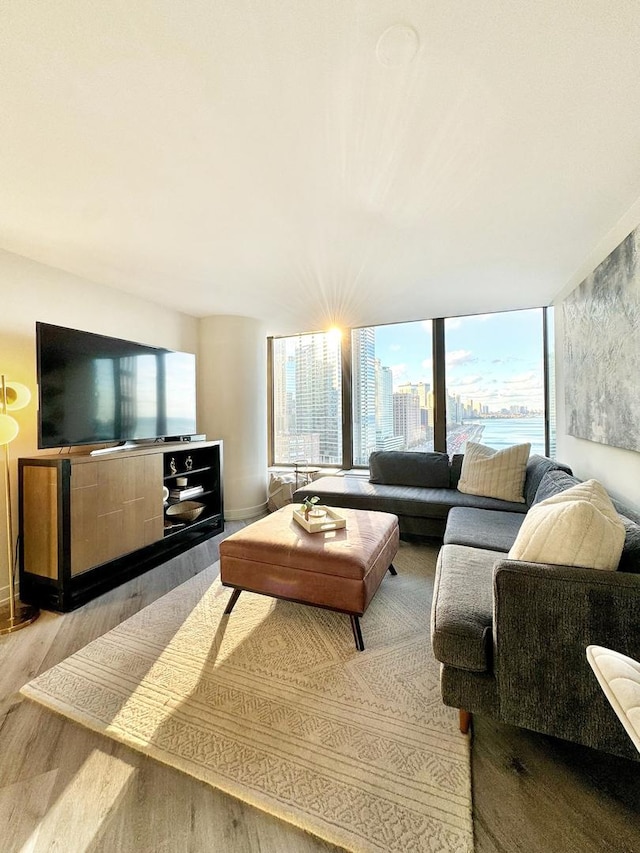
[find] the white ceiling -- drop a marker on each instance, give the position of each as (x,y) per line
(319,161)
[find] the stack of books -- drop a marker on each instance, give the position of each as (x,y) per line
(184,493)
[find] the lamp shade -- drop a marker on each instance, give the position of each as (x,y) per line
(8,429)
(17,395)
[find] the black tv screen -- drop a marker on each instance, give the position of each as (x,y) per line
(94,389)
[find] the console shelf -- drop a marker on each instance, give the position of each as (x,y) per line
(89,523)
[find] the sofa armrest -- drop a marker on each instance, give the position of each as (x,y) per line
(544,618)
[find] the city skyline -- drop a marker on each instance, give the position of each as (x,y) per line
(493,359)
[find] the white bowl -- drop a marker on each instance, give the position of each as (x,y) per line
(185,511)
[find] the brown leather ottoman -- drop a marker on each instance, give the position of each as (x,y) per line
(338,569)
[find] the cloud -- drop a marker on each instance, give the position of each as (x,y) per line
(468,380)
(399,371)
(454,323)
(523,389)
(394,347)
(459,356)
(524,381)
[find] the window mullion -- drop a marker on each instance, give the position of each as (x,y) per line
(347,401)
(439,387)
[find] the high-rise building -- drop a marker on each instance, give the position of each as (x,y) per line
(384,400)
(421,390)
(406,418)
(284,395)
(364,391)
(307,399)
(318,394)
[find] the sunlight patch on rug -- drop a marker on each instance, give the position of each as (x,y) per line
(274,705)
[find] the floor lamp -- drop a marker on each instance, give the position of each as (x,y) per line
(13,395)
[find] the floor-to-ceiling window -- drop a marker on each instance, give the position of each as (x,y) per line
(307,399)
(550,401)
(392,389)
(495,380)
(333,402)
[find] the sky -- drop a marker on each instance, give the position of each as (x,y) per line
(492,359)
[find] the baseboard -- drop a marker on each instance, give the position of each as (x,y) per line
(245,513)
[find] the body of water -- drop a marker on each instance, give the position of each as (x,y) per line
(503,432)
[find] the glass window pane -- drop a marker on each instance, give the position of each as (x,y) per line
(307,399)
(392,389)
(495,380)
(551,382)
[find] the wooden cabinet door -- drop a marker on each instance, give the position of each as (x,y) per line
(40,520)
(116,508)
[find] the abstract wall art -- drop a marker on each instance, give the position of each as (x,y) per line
(602,350)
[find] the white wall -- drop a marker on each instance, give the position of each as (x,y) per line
(30,291)
(232,388)
(617,469)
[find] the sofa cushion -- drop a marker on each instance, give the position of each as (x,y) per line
(494,473)
(552,483)
(537,467)
(456,469)
(462,610)
(493,530)
(630,557)
(400,468)
(577,527)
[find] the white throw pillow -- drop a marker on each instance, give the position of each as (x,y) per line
(494,473)
(577,527)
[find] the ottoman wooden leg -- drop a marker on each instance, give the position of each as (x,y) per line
(235,595)
(357,633)
(392,569)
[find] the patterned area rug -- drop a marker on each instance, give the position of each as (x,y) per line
(274,705)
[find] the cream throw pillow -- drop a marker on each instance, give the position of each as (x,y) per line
(577,527)
(494,473)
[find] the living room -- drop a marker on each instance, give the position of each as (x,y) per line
(154,194)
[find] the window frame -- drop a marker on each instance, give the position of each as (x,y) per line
(439,388)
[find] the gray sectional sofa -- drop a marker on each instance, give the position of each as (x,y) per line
(510,635)
(420,488)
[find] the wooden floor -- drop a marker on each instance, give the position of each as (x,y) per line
(63,788)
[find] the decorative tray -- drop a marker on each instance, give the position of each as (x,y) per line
(333,520)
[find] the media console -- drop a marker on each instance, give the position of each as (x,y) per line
(89,523)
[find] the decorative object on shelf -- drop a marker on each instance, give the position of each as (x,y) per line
(172,466)
(331,520)
(185,511)
(13,395)
(184,494)
(165,494)
(188,463)
(181,482)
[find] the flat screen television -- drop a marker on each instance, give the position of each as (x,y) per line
(93,389)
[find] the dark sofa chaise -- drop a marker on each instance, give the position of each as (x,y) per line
(510,635)
(420,488)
